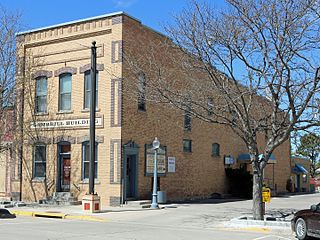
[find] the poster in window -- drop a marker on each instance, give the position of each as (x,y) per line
(161,158)
(171,164)
(228,160)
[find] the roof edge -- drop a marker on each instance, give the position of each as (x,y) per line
(76,21)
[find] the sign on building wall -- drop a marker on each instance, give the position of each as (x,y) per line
(149,160)
(228,160)
(171,164)
(67,123)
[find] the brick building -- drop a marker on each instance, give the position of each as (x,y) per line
(54,72)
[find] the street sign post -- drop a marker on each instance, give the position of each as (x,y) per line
(266,194)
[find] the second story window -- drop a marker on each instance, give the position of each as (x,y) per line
(65,86)
(187,120)
(142,92)
(87,89)
(215,149)
(210,105)
(41,95)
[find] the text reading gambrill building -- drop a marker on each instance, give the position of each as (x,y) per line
(54,75)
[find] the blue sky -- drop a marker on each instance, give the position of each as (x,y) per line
(41,13)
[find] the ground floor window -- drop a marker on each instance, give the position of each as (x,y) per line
(86,160)
(39,161)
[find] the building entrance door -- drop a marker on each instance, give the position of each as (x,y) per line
(298,183)
(64,167)
(131,174)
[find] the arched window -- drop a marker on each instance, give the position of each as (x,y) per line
(215,149)
(65,86)
(39,160)
(86,160)
(41,94)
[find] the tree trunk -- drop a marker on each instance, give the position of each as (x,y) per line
(257,193)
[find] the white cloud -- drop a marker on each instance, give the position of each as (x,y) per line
(123,3)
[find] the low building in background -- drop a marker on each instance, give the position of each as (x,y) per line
(54,74)
(300,173)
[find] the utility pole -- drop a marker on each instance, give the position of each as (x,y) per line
(93,73)
(91,201)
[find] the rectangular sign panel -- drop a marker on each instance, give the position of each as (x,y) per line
(171,164)
(161,160)
(67,123)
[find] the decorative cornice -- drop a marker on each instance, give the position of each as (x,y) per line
(68,38)
(116,20)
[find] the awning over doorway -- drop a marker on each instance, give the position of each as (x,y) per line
(245,158)
(298,168)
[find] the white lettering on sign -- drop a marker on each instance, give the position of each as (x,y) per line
(65,123)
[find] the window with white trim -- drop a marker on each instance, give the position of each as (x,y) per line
(87,89)
(86,160)
(65,88)
(41,95)
(39,161)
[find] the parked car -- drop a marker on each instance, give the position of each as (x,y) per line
(306,223)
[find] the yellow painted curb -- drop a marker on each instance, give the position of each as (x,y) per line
(256,229)
(23,213)
(85,218)
(59,215)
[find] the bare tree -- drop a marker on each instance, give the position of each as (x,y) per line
(9,25)
(252,68)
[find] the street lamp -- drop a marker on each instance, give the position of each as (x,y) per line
(155,145)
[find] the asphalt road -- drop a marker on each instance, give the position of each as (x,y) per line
(26,228)
(182,221)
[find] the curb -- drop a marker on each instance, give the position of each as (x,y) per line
(23,213)
(245,223)
(59,216)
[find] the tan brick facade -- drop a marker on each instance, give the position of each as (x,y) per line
(123,130)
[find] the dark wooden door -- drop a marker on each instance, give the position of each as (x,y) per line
(131,176)
(66,173)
